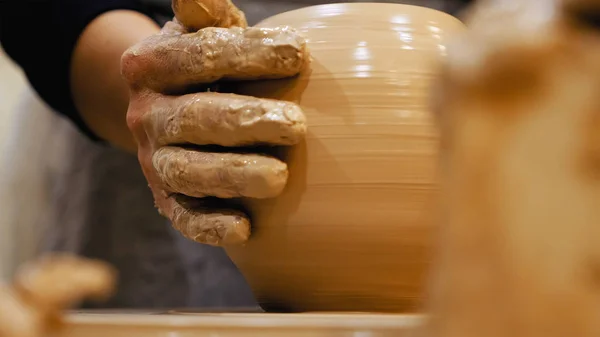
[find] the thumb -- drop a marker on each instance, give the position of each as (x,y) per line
(197,14)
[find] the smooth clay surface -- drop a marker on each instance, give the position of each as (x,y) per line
(351,232)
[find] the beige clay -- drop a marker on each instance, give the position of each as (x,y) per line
(352,229)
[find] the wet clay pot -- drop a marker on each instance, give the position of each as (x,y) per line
(352,231)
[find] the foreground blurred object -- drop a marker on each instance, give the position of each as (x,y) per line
(520,116)
(32,306)
(351,231)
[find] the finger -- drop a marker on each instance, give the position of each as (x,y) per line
(203,222)
(198,14)
(222,175)
(172,64)
(225,120)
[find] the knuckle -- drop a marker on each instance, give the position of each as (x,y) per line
(130,65)
(133,120)
(136,116)
(136,60)
(140,110)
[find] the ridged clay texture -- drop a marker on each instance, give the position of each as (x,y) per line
(352,230)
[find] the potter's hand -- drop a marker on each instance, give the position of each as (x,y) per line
(187,141)
(33,305)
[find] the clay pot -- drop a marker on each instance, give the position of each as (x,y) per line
(352,230)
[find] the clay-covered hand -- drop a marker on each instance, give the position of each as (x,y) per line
(191,140)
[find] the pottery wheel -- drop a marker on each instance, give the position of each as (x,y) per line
(185,323)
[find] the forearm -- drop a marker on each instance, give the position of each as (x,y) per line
(99,93)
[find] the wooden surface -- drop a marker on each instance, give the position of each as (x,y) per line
(239,325)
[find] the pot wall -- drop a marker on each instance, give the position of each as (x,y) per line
(352,230)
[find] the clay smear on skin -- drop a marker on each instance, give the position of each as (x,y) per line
(222,175)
